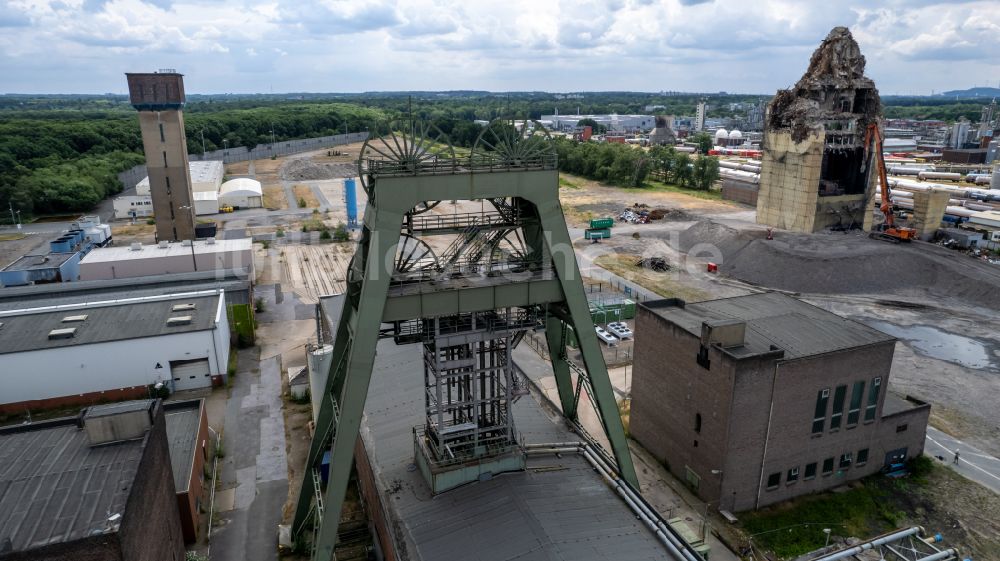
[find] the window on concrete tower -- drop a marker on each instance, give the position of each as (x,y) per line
(873,398)
(838,407)
(819,417)
(857,394)
(862,457)
(828,466)
(697,422)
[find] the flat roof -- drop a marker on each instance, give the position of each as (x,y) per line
(28,329)
(80,292)
(39,262)
(183,420)
(124,253)
(773,319)
(563,513)
(204,171)
(56,488)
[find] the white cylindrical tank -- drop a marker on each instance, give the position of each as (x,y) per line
(947,176)
(995,182)
(319,361)
(721,136)
(904,170)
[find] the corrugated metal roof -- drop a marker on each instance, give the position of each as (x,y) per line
(569,513)
(28,331)
(183,420)
(78,292)
(798,328)
(153,251)
(55,488)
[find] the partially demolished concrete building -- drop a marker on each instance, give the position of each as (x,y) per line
(815,172)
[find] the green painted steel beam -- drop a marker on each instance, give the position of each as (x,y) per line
(370,299)
(436,303)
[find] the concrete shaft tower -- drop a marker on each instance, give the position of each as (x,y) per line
(159,98)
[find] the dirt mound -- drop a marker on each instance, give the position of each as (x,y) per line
(303,169)
(845,264)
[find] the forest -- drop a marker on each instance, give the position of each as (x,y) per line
(61,153)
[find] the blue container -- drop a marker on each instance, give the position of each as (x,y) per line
(324,467)
(351,200)
(61,245)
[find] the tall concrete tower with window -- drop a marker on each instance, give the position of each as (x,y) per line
(159,98)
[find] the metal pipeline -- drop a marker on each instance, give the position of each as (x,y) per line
(913,530)
(662,531)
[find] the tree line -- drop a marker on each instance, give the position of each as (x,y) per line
(631,166)
(64,161)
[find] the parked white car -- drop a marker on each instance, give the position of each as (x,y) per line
(620,329)
(608,338)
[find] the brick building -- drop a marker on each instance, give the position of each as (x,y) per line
(94,487)
(187,436)
(756,399)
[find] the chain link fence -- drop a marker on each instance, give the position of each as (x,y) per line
(129,178)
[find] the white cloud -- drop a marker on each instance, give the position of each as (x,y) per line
(557,45)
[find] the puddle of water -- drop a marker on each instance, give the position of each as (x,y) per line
(942,345)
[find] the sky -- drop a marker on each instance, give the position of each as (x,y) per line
(264,46)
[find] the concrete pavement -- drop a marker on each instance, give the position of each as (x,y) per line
(972,463)
(254,478)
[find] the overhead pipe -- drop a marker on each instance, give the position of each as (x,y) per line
(888,538)
(663,532)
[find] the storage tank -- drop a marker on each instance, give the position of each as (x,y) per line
(351,200)
(995,183)
(319,361)
(939,175)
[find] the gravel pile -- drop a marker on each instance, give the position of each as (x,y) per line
(850,263)
(302,169)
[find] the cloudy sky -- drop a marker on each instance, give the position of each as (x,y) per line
(752,46)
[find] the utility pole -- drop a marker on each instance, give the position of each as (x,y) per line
(11,203)
(202,144)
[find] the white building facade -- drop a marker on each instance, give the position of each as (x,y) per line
(117,349)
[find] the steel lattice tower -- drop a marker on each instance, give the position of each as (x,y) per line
(507,269)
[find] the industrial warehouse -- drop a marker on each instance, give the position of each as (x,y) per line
(506,325)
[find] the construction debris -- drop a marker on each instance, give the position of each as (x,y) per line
(657,264)
(303,169)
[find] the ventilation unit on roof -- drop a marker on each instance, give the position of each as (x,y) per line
(135,246)
(179,320)
(186,243)
(163,244)
(64,333)
(74,319)
(182,307)
(210,241)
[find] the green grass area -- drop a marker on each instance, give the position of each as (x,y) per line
(12,237)
(243,322)
(868,508)
(711,194)
(563,182)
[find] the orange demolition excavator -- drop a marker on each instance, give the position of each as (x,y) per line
(887,230)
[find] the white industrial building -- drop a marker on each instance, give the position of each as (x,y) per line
(59,355)
(139,260)
(241,192)
(206,177)
(614,122)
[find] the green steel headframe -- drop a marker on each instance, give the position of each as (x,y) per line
(406,173)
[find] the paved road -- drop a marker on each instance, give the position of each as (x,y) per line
(324,204)
(290,194)
(255,468)
(972,463)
